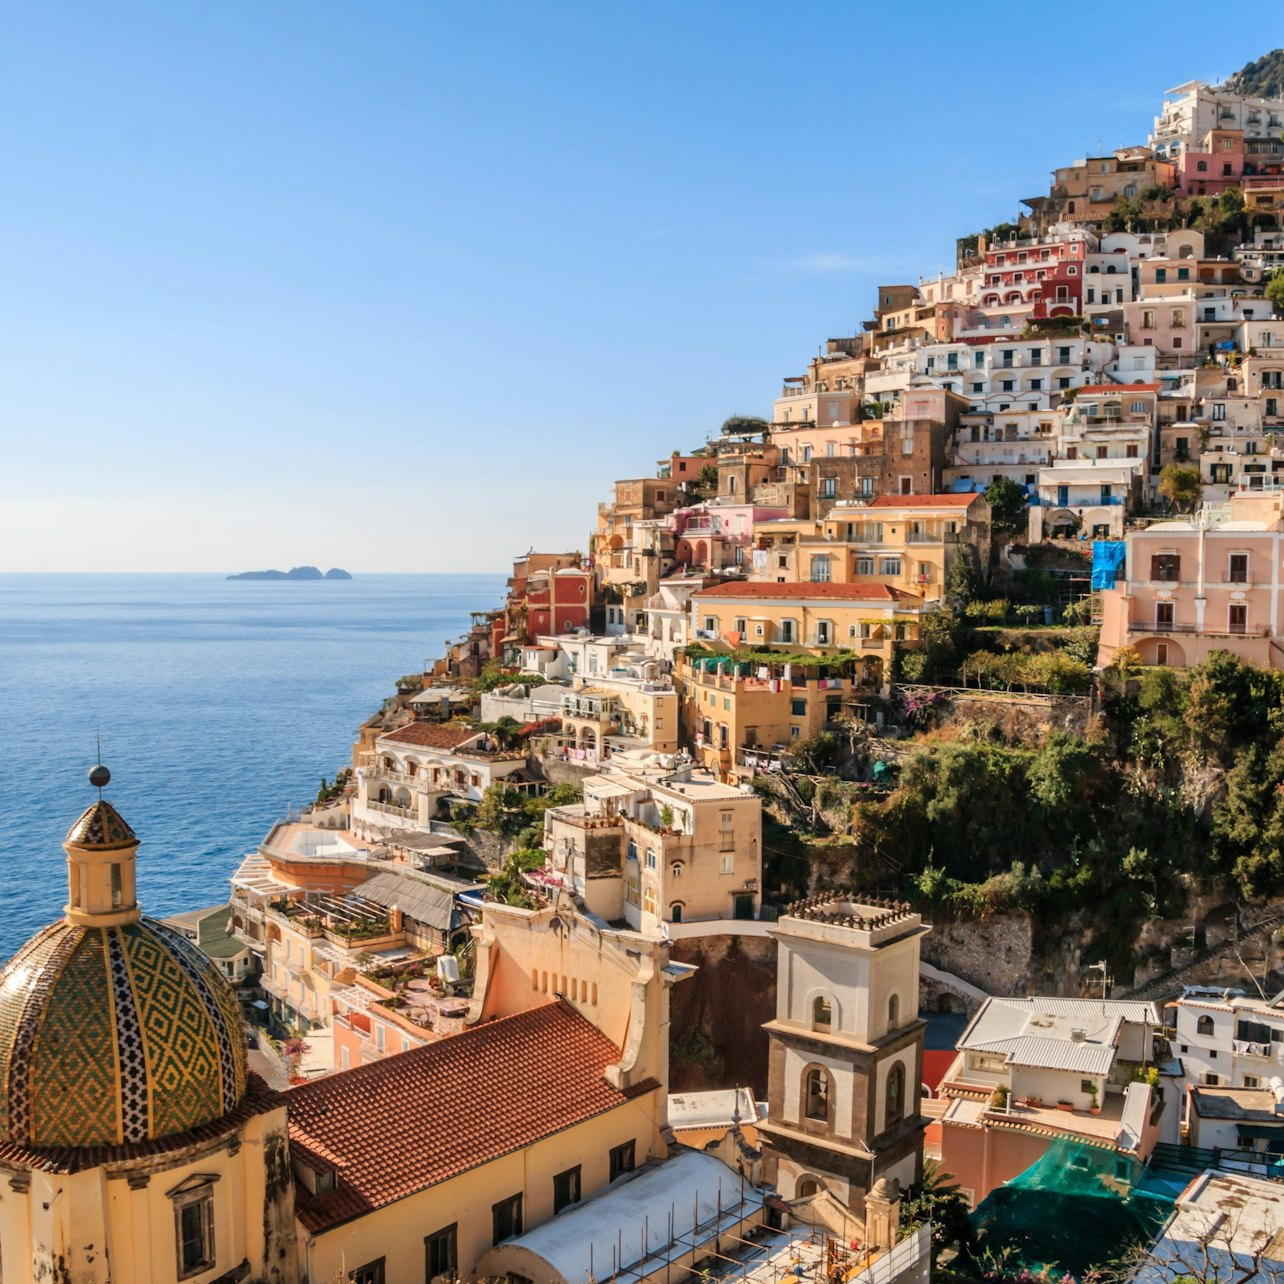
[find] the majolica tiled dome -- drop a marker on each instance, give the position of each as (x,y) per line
(114,1034)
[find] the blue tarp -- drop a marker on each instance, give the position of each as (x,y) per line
(1107,562)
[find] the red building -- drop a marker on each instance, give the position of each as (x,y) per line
(1046,274)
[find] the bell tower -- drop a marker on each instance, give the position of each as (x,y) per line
(846,1049)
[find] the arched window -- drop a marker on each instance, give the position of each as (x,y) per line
(893,1011)
(895,1094)
(816,1094)
(806,1187)
(1204,1025)
(675,912)
(822,1014)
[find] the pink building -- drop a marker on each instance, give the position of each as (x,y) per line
(1217,165)
(1202,584)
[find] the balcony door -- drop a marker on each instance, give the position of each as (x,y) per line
(1163,615)
(1239,568)
(1238,620)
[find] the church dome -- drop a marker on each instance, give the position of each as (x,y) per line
(113,1027)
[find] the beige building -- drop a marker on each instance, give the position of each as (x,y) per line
(656,841)
(846,1050)
(420,1164)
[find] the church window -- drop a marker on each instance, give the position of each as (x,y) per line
(895,1094)
(821,1012)
(816,1094)
(194,1226)
(893,1011)
(117,894)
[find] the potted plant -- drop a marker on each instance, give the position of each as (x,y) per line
(999,1097)
(1095,1107)
(1035,1101)
(1067,1106)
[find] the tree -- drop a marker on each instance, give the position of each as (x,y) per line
(938,1199)
(744,424)
(1275,291)
(1180,485)
(1007,503)
(963,581)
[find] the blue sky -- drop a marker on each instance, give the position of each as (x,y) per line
(405,286)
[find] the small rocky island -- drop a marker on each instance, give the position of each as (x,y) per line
(294,573)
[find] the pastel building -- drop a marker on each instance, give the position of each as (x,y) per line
(1201,584)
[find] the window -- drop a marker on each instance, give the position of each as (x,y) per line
(889,566)
(787,630)
(441,1252)
(824,633)
(370,1273)
(1210,1080)
(1252,1081)
(506,1219)
(727,863)
(1238,568)
(622,1160)
(864,566)
(816,1094)
(1204,1025)
(798,708)
(828,487)
(822,1014)
(650,858)
(1183,274)
(1165,567)
(566,1189)
(117,894)
(1161,275)
(895,1094)
(1219,410)
(194,1226)
(893,1011)
(1238,618)
(820,569)
(1163,615)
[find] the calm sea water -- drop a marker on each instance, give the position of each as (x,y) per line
(219,704)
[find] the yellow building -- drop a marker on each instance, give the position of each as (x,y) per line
(657,842)
(136,1146)
(420,1164)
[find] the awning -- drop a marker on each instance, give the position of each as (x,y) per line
(1261,1132)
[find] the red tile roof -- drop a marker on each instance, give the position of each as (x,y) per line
(922,501)
(808,591)
(431,735)
(409,1121)
(1120,388)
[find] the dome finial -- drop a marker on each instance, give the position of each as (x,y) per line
(99,776)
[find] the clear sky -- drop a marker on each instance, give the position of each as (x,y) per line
(405,286)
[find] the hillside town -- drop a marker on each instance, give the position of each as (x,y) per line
(617,949)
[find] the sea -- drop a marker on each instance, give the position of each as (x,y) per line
(219,705)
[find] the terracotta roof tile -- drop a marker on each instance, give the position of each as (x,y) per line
(409,1121)
(431,735)
(923,501)
(808,592)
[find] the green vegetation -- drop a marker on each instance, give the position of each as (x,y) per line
(1176,786)
(510,811)
(736,424)
(1275,291)
(765,655)
(1180,485)
(493,676)
(329,791)
(1007,503)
